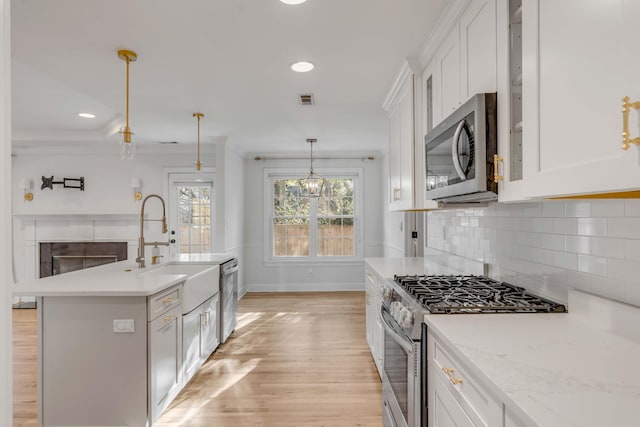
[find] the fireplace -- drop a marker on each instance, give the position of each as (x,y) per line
(64,257)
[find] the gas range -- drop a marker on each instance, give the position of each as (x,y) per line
(408,298)
(473,294)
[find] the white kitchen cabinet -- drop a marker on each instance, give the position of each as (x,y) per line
(445,410)
(478,48)
(199,336)
(401,145)
(456,392)
(448,75)
(578,62)
(165,360)
(375,332)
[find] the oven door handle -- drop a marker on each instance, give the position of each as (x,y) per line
(454,151)
(402,342)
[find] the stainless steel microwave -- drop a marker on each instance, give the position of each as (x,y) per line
(459,153)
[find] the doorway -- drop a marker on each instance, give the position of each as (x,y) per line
(191,207)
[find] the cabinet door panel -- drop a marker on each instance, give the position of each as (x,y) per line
(209,336)
(165,359)
(448,63)
(578,66)
(478,48)
(191,342)
(446,411)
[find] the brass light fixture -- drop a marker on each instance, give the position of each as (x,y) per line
(198,165)
(126,141)
(312,185)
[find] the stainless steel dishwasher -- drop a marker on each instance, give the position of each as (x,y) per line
(228,298)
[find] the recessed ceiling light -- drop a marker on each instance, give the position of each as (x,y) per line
(302,66)
(293,1)
(87,115)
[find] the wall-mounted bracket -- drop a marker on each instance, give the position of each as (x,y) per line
(77,183)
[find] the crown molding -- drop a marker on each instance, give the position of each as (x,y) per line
(409,67)
(447,21)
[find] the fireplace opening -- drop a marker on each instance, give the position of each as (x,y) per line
(64,257)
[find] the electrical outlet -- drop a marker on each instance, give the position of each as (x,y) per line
(123,326)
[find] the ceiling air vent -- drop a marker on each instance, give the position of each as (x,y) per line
(307,99)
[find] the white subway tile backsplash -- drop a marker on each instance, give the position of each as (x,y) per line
(554,209)
(592,264)
(632,250)
(624,269)
(607,208)
(554,242)
(624,227)
(550,246)
(578,209)
(565,260)
(565,226)
(542,225)
(592,226)
(606,247)
(632,207)
(577,244)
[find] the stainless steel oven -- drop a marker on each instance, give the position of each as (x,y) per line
(402,380)
(460,153)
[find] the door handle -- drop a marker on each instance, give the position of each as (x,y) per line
(454,151)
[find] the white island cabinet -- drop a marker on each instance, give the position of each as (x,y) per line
(110,340)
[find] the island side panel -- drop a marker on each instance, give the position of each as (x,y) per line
(90,374)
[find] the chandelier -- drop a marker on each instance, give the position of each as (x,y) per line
(312,185)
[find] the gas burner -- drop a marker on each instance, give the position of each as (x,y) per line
(473,294)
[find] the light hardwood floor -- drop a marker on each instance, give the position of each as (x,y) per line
(295,359)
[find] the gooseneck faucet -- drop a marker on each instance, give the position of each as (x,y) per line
(141,242)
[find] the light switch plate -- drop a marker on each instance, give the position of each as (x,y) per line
(123,326)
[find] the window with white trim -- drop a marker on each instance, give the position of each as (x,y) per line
(324,228)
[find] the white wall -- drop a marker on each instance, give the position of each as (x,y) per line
(105,211)
(549,247)
(5,215)
(324,276)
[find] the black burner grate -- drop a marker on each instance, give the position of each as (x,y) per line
(473,294)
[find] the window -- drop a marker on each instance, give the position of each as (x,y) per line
(324,228)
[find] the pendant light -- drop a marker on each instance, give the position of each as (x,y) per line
(312,185)
(198,165)
(127,142)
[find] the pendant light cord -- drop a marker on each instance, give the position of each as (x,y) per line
(127,102)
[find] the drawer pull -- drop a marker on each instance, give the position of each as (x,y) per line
(167,300)
(169,318)
(452,378)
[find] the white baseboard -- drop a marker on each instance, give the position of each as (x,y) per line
(304,287)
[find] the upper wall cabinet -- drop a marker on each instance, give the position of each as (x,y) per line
(465,62)
(578,61)
(401,144)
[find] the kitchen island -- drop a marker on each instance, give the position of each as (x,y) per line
(110,339)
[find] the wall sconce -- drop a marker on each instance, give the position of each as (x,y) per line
(135,184)
(25,185)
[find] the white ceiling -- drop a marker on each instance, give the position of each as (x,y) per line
(228,59)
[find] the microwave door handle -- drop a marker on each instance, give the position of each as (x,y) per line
(454,151)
